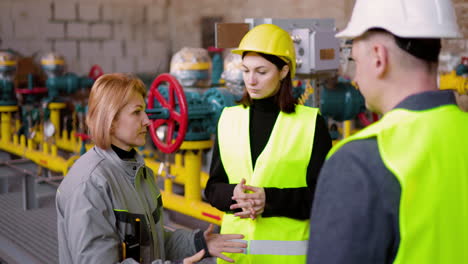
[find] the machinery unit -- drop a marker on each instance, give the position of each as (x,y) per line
(342,102)
(58,81)
(192,67)
(317,49)
(38,127)
(7,72)
(53,64)
(217,62)
(196,118)
(457,79)
(232,74)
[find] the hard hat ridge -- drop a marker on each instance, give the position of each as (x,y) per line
(269,39)
(403,18)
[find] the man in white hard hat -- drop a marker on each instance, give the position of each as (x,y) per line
(397,191)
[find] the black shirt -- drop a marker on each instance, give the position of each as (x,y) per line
(288,202)
(123,154)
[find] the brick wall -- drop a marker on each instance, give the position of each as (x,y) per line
(185,16)
(141,35)
(119,35)
(459,46)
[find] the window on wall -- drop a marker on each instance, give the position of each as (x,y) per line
(208,30)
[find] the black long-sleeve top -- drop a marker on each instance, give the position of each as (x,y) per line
(289,202)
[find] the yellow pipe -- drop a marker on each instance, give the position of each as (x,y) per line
(65,142)
(168,185)
(42,158)
(31,145)
(5,126)
(55,117)
(187,171)
(70,146)
(178,159)
(452,81)
(45,148)
(65,136)
(196,209)
(54,150)
(204,144)
(23,141)
(192,175)
(6,132)
(346,128)
(177,171)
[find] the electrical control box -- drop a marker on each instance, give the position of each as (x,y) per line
(317,49)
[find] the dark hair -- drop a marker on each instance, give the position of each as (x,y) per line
(284,97)
(426,49)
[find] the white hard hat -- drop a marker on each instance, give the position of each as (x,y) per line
(403,18)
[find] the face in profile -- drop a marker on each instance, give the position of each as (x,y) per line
(261,77)
(131,124)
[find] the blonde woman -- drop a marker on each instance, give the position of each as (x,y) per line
(109,208)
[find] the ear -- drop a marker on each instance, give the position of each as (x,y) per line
(380,59)
(284,71)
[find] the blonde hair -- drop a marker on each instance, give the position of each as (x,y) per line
(109,94)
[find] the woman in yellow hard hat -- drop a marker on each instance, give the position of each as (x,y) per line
(267,155)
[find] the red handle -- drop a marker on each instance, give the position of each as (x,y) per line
(35,90)
(180,118)
(365,121)
(95,72)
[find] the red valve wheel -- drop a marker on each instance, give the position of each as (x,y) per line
(464,60)
(175,90)
(82,136)
(365,121)
(95,72)
(35,90)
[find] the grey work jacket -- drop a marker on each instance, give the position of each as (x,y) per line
(97,206)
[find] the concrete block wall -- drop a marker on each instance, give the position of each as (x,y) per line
(118,35)
(459,46)
(142,35)
(185,16)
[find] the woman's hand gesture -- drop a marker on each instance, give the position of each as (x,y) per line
(217,244)
(250,199)
(195,258)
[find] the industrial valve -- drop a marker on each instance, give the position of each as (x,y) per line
(7,73)
(343,102)
(192,67)
(174,117)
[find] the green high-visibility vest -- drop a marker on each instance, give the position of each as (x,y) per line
(427,151)
(282,164)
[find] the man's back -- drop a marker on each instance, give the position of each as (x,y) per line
(398,192)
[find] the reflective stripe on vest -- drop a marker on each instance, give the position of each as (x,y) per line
(282,164)
(427,153)
(274,247)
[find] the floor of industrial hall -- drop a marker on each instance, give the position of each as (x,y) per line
(28,220)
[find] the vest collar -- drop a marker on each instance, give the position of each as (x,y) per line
(426,100)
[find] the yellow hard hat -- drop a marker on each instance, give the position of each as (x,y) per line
(269,39)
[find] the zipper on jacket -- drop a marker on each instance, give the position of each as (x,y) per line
(148,214)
